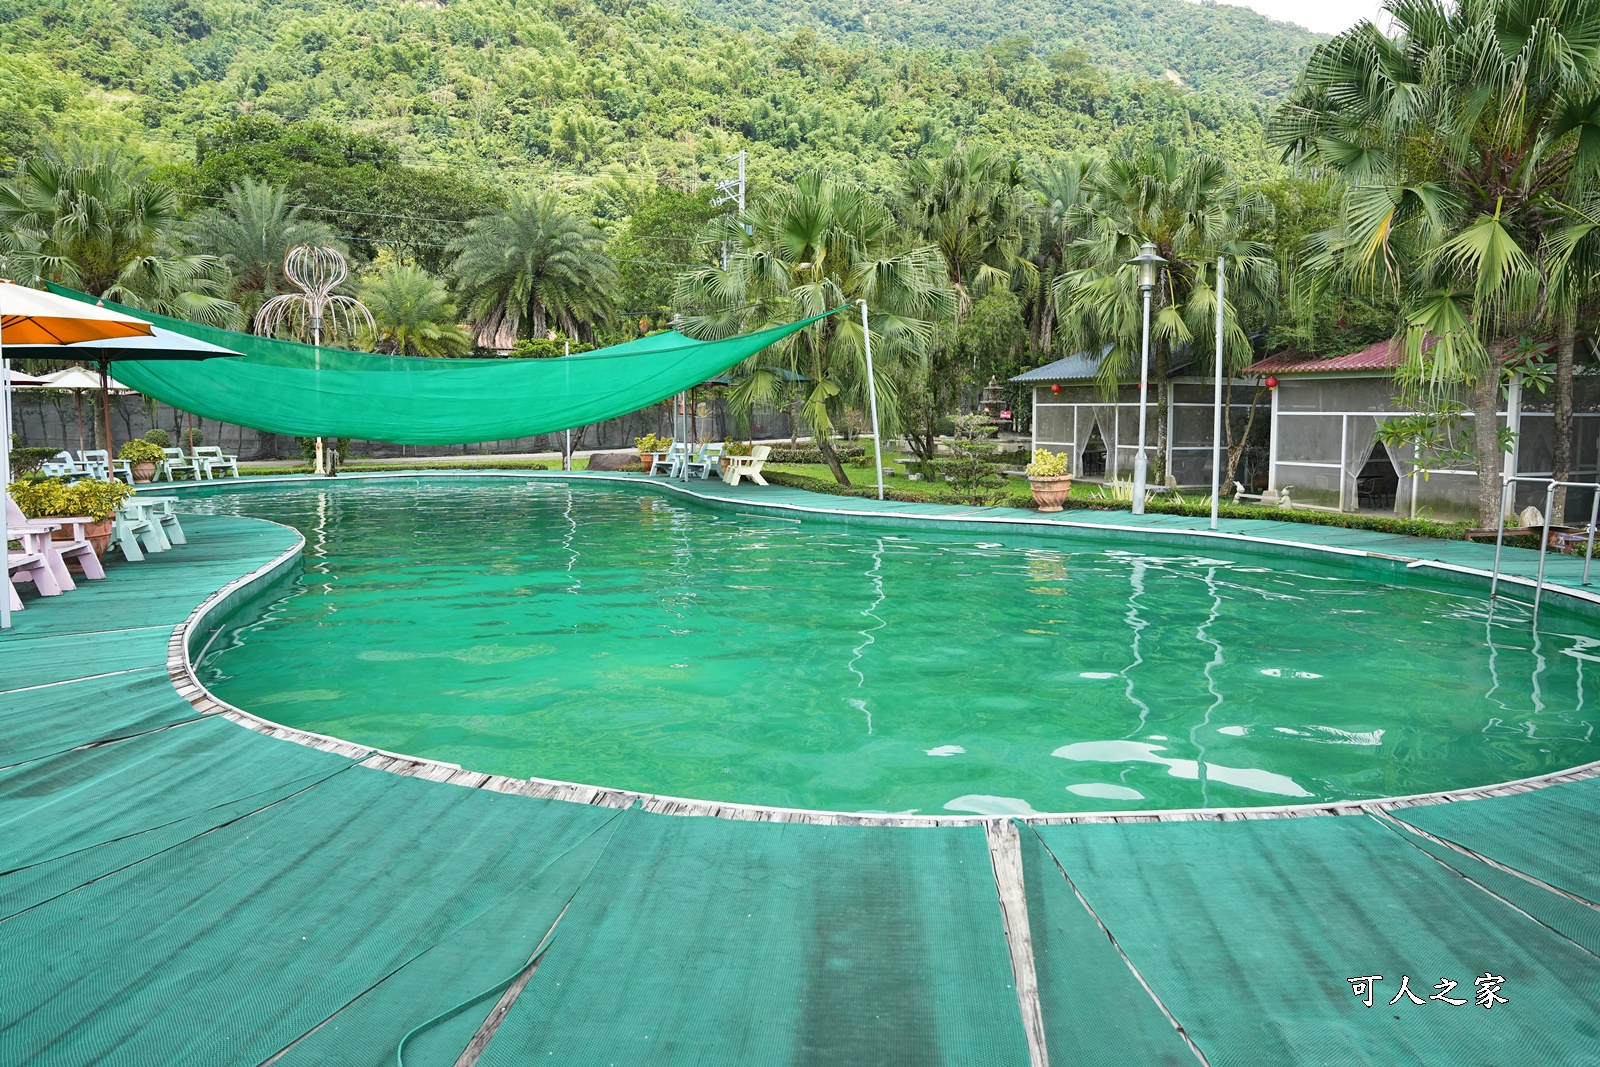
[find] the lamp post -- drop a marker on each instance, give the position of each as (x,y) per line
(872,394)
(1149,263)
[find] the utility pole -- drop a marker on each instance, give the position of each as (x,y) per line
(731,190)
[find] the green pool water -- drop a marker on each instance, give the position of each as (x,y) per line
(617,637)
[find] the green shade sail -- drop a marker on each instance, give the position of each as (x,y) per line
(289,388)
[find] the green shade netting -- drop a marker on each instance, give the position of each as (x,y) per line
(289,388)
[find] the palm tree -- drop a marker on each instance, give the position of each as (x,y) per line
(1060,194)
(532,266)
(1193,210)
(413,313)
(250,232)
(92,218)
(817,245)
(1457,130)
(972,206)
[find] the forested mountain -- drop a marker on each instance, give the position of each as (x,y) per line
(1206,45)
(561,91)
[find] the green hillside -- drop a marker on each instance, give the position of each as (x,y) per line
(1208,46)
(566,90)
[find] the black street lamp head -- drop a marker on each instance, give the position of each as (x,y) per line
(1150,263)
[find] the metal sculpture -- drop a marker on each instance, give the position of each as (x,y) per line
(316,310)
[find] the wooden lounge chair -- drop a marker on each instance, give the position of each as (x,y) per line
(31,564)
(705,461)
(57,552)
(670,462)
(131,529)
(174,463)
(1267,498)
(213,460)
(161,510)
(748,466)
(62,465)
(100,464)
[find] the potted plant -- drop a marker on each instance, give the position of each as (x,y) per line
(158,437)
(731,448)
(144,457)
(1050,478)
(92,500)
(649,447)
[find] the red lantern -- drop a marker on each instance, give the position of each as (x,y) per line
(1272,383)
(1056,388)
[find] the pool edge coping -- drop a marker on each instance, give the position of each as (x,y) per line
(181,672)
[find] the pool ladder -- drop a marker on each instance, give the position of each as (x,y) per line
(1509,481)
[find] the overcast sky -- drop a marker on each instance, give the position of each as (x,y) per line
(1324,16)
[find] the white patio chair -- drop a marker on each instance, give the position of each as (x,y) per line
(31,564)
(748,466)
(215,460)
(670,462)
(99,461)
(135,533)
(705,461)
(161,510)
(58,551)
(62,465)
(174,463)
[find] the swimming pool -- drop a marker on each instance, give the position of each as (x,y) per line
(613,636)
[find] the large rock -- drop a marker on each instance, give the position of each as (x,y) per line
(611,461)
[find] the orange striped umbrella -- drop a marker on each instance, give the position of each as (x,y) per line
(28,316)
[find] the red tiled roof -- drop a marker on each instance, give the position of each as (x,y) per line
(1384,355)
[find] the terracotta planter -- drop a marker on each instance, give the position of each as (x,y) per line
(648,460)
(1051,493)
(144,472)
(98,533)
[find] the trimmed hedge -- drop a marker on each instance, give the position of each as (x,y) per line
(812,454)
(24,460)
(1451,531)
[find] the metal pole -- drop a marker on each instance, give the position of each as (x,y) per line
(105,416)
(316,342)
(872,394)
(1216,414)
(5,482)
(1141,462)
(1588,555)
(1544,550)
(1499,537)
(1508,478)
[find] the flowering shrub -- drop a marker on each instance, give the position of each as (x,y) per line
(46,497)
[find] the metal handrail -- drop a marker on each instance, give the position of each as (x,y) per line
(1507,481)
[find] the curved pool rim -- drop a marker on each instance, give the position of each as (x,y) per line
(190,639)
